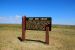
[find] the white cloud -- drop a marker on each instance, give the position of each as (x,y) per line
(11,19)
(17,17)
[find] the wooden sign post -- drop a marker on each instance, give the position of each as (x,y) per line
(23,27)
(39,23)
(47,35)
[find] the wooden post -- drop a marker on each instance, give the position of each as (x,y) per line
(47,35)
(23,27)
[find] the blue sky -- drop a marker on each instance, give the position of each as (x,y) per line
(61,11)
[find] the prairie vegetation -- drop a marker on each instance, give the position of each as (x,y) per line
(62,37)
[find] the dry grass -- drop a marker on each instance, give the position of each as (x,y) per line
(59,39)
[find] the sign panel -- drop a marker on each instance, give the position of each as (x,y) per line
(38,23)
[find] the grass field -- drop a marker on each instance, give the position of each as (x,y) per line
(62,37)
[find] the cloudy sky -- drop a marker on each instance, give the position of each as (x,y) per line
(61,11)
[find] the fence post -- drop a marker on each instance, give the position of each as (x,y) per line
(23,27)
(47,35)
